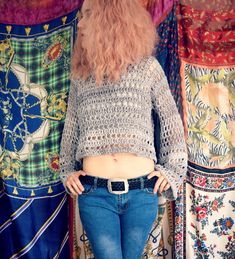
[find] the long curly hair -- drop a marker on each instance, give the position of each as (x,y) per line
(113,35)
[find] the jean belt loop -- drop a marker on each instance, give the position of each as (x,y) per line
(95,182)
(141,183)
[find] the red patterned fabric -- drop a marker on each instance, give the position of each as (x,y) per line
(207,32)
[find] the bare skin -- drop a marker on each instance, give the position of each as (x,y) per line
(121,165)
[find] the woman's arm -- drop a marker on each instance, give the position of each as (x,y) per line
(173,154)
(70,136)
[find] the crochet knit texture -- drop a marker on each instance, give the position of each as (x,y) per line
(116,117)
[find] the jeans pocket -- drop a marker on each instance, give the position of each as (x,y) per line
(88,189)
(149,190)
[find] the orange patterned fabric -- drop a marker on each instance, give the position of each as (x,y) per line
(207,31)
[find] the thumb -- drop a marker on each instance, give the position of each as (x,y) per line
(154,173)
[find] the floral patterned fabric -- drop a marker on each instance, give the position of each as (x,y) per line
(204,213)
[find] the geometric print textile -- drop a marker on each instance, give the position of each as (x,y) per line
(33,223)
(34,83)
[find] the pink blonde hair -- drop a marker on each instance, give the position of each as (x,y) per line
(119,33)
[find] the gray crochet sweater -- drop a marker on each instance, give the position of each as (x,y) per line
(116,117)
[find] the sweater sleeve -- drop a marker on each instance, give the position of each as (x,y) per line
(70,136)
(173,154)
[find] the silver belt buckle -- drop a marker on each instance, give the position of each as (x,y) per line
(113,180)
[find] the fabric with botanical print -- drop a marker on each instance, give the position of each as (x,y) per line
(209,94)
(204,210)
(205,215)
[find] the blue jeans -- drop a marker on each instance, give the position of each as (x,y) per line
(117,226)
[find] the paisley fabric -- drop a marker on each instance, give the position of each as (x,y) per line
(167,54)
(206,31)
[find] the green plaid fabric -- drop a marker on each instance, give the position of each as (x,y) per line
(46,58)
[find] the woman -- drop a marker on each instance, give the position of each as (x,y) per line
(109,130)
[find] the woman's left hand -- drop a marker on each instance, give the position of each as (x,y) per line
(161,184)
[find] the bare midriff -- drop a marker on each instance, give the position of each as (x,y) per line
(119,165)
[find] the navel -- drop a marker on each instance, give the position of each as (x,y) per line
(114,157)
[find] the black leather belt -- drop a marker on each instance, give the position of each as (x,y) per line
(119,186)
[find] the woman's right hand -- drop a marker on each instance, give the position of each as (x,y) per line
(73,183)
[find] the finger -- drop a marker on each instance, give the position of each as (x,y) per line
(167,187)
(72,183)
(78,183)
(157,184)
(154,173)
(162,185)
(71,190)
(76,187)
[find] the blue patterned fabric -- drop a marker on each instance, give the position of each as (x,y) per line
(34,84)
(33,225)
(167,54)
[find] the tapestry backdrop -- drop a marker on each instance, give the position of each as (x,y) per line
(205,208)
(35,50)
(198,58)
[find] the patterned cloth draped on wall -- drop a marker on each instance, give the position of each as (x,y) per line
(205,207)
(35,46)
(35,50)
(33,99)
